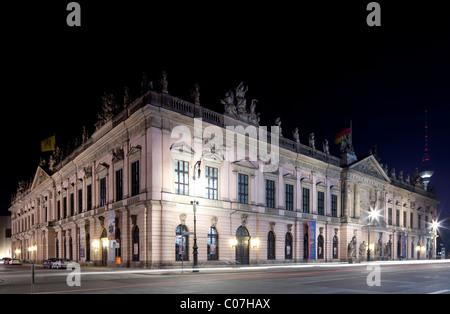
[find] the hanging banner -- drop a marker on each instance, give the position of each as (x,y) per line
(312,240)
(82,242)
(403,245)
(111,235)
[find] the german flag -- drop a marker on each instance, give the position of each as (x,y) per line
(48,144)
(345,130)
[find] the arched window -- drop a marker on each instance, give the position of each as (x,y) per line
(335,247)
(320,247)
(270,245)
(242,232)
(181,243)
(135,244)
(288,246)
(213,244)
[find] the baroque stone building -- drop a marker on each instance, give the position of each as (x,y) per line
(128,190)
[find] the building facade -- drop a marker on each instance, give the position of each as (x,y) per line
(126,195)
(5,236)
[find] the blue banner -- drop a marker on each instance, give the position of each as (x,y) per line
(312,240)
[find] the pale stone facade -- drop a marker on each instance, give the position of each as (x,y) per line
(121,193)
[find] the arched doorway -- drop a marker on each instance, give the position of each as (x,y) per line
(271,245)
(242,246)
(320,247)
(306,247)
(88,247)
(103,240)
(335,247)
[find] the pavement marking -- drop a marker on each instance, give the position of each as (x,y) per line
(439,292)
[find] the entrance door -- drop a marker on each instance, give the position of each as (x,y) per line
(104,240)
(104,256)
(242,246)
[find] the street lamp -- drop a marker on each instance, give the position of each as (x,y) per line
(434,227)
(373,214)
(195,203)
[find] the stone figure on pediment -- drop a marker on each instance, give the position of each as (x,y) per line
(253,115)
(278,124)
(312,142)
(145,85)
(326,148)
(241,102)
(84,135)
(163,83)
(195,94)
(228,102)
(126,97)
(296,135)
(235,104)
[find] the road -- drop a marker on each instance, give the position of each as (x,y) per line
(380,278)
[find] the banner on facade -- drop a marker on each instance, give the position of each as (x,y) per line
(403,245)
(312,240)
(82,243)
(111,234)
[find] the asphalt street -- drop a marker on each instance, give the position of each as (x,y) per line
(404,277)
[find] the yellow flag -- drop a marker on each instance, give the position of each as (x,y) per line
(48,144)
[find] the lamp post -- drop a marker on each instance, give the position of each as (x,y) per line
(373,214)
(195,203)
(434,226)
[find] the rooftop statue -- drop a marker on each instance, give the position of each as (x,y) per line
(235,104)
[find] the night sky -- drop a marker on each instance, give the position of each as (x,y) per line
(316,66)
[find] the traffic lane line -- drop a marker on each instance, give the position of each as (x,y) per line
(215,278)
(247,276)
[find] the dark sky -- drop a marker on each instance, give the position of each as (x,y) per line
(316,66)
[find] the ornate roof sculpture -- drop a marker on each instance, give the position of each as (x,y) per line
(235,104)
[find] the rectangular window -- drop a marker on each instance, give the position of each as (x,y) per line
(305,200)
(270,193)
(334,203)
(211,182)
(65,207)
(103,192)
(243,188)
(58,210)
(390,216)
(80,200)
(289,196)
(404,219)
(411,220)
(72,204)
(397,218)
(181,177)
(119,185)
(419,221)
(89,197)
(135,178)
(321,203)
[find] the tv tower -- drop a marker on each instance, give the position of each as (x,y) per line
(426,171)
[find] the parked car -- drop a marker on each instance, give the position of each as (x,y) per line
(60,263)
(5,260)
(15,261)
(49,262)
